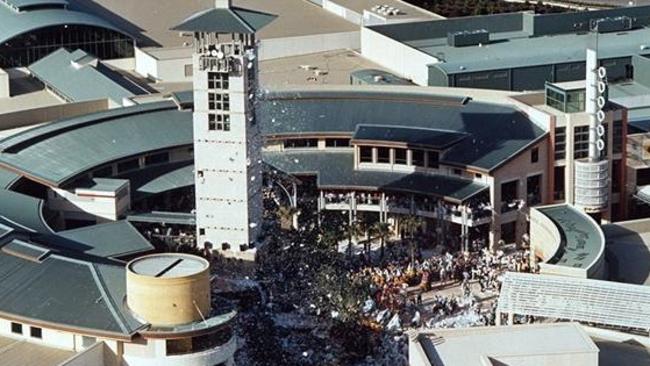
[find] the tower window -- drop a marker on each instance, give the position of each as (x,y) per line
(219,102)
(218,80)
(219,122)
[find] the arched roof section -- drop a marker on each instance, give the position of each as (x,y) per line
(74,146)
(13,24)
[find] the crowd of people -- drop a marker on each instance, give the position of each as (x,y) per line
(399,285)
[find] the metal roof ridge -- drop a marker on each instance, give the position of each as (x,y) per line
(101,285)
(80,122)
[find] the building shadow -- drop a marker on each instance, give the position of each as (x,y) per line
(628,253)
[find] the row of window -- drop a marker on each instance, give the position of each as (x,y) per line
(197,344)
(510,193)
(313,143)
(218,80)
(132,164)
(34,332)
(382,155)
(581,141)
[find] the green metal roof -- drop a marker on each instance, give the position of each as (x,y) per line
(436,139)
(522,51)
(7,178)
(522,39)
(61,291)
(494,132)
(76,145)
(113,239)
(82,83)
(226,20)
(335,170)
(161,178)
(583,239)
(23,210)
(13,24)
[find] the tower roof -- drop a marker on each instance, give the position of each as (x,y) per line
(226,20)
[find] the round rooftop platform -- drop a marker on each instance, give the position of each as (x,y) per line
(168,265)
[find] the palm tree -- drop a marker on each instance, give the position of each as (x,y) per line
(382,231)
(411,224)
(287,216)
(353,230)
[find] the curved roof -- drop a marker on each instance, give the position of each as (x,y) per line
(335,170)
(582,240)
(494,132)
(24,211)
(49,287)
(13,24)
(73,146)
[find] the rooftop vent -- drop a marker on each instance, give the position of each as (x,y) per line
(386,10)
(615,24)
(468,38)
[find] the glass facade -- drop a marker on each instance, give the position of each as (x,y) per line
(568,101)
(30,47)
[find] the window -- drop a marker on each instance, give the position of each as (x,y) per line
(534,190)
(103,172)
(201,231)
(581,142)
(125,166)
(478,175)
(383,155)
(16,328)
(616,176)
(534,155)
(300,143)
(617,137)
(365,154)
(87,341)
(337,142)
(400,156)
(36,332)
(458,172)
(508,232)
(218,80)
(509,196)
(558,186)
(159,158)
(218,122)
(417,158)
(189,71)
(432,159)
(560,143)
(199,343)
(218,102)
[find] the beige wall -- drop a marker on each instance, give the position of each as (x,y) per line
(519,168)
(46,114)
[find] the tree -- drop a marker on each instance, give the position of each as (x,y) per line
(411,224)
(353,230)
(381,230)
